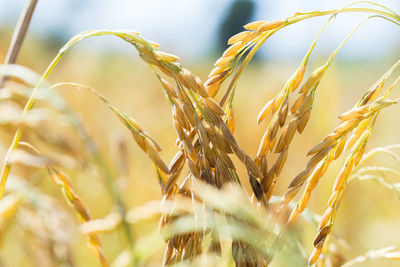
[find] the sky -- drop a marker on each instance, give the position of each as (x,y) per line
(189,27)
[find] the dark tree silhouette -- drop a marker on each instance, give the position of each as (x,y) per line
(239,13)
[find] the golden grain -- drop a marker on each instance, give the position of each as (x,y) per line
(166,56)
(238,37)
(270,25)
(254,25)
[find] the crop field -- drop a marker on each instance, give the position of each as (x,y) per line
(143,158)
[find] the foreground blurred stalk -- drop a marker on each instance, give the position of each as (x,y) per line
(19,35)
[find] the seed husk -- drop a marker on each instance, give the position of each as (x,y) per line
(352,140)
(252,167)
(169,256)
(342,177)
(303,201)
(227,134)
(297,103)
(320,146)
(201,131)
(263,164)
(250,37)
(225,175)
(293,217)
(289,195)
(314,255)
(227,160)
(280,162)
(262,149)
(193,168)
(255,185)
(211,116)
(360,154)
(151,150)
(171,91)
(302,121)
(274,128)
(233,49)
(213,88)
(216,71)
(325,218)
(320,238)
(268,180)
(313,80)
(214,106)
(339,147)
(238,37)
(283,113)
(222,144)
(279,100)
(177,161)
(267,108)
(254,25)
(354,113)
(201,89)
(318,157)
(346,125)
(292,126)
(216,78)
(181,118)
(281,145)
(271,143)
(314,177)
(270,25)
(230,121)
(189,112)
(305,105)
(166,56)
(300,178)
(224,61)
(333,197)
(298,77)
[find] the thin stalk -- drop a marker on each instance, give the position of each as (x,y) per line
(19,36)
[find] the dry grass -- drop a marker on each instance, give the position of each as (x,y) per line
(205,210)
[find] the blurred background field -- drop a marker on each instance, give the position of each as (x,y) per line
(368,218)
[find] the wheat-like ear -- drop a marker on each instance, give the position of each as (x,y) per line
(250,41)
(73,200)
(356,121)
(360,121)
(147,51)
(300,111)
